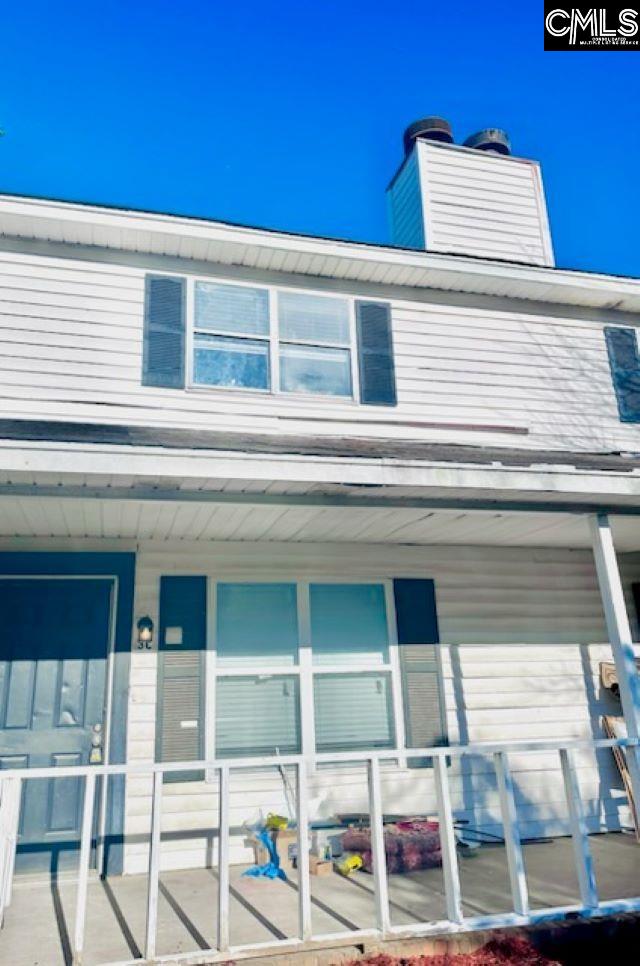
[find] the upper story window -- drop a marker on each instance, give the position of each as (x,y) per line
(201,333)
(231,335)
(314,344)
(283,341)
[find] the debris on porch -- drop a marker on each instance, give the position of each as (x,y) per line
(409,845)
(614,727)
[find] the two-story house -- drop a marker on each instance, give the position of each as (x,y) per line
(267,497)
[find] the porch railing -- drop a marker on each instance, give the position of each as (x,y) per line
(590,904)
(10,792)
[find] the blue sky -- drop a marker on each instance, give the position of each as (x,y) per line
(290,115)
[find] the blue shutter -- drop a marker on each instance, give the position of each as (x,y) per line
(164,332)
(622,346)
(375,354)
(180,724)
(418,639)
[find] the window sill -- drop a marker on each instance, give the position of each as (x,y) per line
(297,397)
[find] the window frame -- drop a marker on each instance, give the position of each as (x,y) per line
(304,669)
(272,338)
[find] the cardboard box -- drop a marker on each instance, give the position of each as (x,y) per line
(286,842)
(287,848)
(319,866)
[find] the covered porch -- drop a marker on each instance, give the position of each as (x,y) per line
(40,925)
(219,912)
(530,600)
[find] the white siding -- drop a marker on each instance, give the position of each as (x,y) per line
(482,204)
(404,200)
(520,631)
(71,349)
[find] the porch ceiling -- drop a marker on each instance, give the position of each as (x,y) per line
(136,519)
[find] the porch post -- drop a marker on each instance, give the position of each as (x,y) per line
(617,620)
(619,631)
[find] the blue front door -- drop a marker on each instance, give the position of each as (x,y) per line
(54,641)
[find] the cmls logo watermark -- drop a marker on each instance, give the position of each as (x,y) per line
(614,27)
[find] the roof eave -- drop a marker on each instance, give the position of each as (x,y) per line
(222,243)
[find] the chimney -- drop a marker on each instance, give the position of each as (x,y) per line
(471,199)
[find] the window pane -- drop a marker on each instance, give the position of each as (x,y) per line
(256,624)
(313,318)
(353,711)
(257,716)
(349,624)
(231,362)
(232,308)
(308,369)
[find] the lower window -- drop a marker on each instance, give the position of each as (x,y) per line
(353,711)
(257,716)
(351,680)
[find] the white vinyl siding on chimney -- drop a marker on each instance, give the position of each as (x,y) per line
(482,204)
(471,202)
(405,206)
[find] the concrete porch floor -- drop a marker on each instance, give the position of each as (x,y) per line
(39,922)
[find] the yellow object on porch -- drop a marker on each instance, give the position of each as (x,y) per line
(276,822)
(350,864)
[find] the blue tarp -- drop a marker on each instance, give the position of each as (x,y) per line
(271,869)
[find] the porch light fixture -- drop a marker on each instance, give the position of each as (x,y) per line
(145,632)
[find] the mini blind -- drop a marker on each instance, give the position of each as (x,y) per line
(231,308)
(353,711)
(257,716)
(313,318)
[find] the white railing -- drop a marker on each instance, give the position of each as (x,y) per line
(10,793)
(590,905)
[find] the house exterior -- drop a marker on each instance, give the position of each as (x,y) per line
(267,494)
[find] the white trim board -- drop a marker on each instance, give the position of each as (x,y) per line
(452,480)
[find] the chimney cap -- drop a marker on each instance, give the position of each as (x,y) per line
(490,139)
(432,128)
